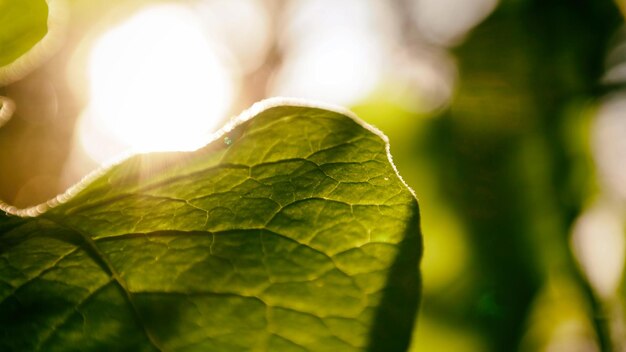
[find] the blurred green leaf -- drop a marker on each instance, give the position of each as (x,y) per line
(24,23)
(505,169)
(291,232)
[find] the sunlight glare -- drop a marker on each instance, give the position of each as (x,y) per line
(156,84)
(334,56)
(446,22)
(598,242)
(608,147)
(342,69)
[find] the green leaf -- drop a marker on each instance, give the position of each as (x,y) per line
(290,232)
(23,23)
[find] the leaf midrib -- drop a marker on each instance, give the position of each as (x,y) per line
(108,267)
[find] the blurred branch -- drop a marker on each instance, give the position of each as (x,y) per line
(406,18)
(255,84)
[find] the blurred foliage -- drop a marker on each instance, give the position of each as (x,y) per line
(502,173)
(24,24)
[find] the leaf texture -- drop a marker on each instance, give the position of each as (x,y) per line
(291,231)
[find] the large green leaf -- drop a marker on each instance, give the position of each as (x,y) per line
(23,23)
(290,232)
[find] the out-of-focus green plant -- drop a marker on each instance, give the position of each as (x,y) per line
(506,167)
(24,24)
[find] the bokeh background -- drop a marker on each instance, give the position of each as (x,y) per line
(508,118)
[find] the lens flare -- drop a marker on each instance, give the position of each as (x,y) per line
(156,84)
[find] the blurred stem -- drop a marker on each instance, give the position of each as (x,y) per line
(569,66)
(255,84)
(601,323)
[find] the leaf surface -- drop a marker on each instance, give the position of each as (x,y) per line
(290,232)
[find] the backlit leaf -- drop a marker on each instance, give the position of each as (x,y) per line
(291,231)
